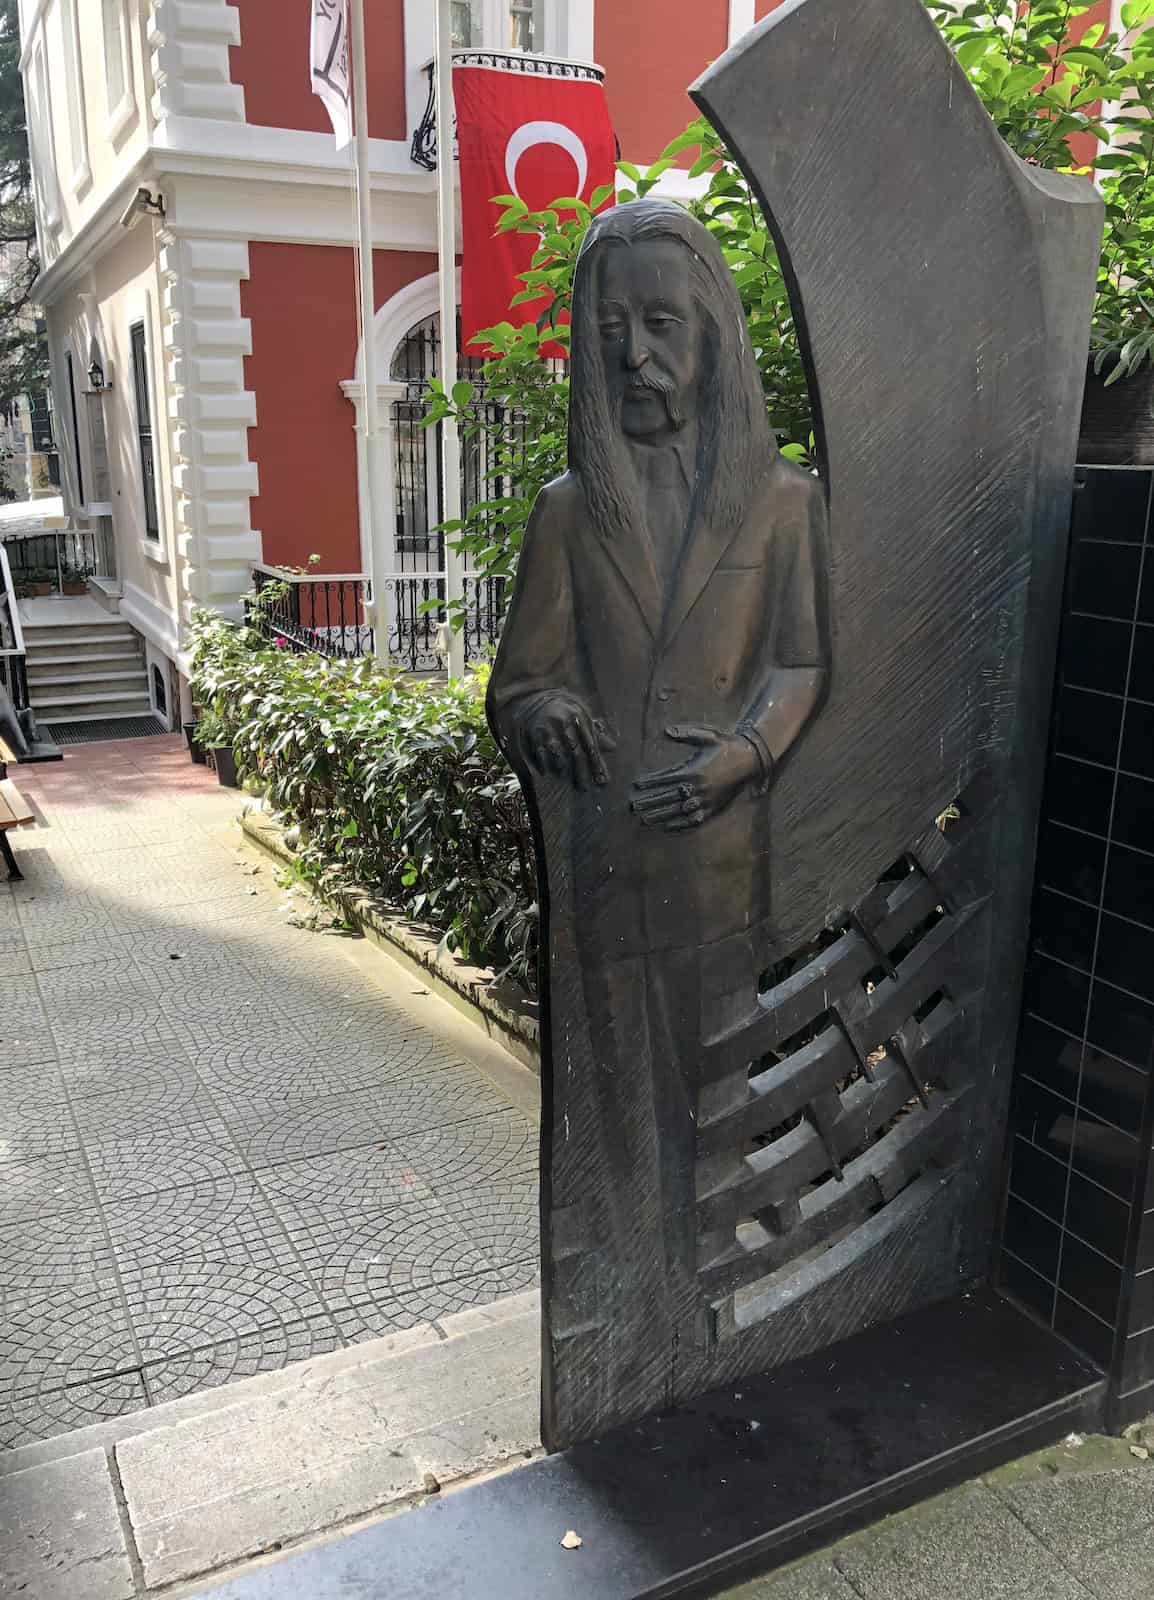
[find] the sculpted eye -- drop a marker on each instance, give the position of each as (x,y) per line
(611,329)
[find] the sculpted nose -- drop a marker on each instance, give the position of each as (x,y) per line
(636,354)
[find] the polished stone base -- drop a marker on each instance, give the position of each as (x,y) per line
(744,1477)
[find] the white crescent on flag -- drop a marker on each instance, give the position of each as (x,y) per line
(534,133)
(329,64)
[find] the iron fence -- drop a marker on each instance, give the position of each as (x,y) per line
(325,614)
(67,555)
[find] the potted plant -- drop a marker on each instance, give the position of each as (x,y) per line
(213,737)
(192,739)
(73,580)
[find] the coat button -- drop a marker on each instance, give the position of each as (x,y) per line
(721,681)
(664,693)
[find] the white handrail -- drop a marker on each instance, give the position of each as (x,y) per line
(8,592)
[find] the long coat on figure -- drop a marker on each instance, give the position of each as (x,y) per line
(664,647)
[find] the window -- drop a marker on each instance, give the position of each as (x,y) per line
(74,83)
(43,151)
(465,23)
(117,68)
(77,461)
(144,430)
(526,31)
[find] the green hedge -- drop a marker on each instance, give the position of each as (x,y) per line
(395,785)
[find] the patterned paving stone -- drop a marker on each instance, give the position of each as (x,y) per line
(369,1319)
(270,1069)
(379,1255)
(269,1134)
(501,1219)
(182,1308)
(75,1334)
(356,1181)
(127,1112)
(41,1253)
(46,1185)
(493,1149)
(156,1074)
(225,1219)
(59,1411)
(34,1120)
(206,1117)
(245,1357)
(162,1157)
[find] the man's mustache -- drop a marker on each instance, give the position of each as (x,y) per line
(649,378)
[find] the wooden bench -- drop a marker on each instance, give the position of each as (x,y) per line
(15,812)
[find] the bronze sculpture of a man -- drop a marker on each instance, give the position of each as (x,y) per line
(664,649)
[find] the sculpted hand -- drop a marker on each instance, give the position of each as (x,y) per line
(688,795)
(559,737)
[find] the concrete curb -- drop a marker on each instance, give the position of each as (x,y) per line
(187,1492)
(501,1011)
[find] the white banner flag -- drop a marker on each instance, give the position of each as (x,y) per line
(329,64)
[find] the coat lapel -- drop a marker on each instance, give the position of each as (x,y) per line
(703,550)
(633,559)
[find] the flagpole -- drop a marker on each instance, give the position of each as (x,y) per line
(447,273)
(379,552)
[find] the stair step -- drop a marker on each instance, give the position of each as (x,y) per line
(63,707)
(104,714)
(68,638)
(84,666)
(137,677)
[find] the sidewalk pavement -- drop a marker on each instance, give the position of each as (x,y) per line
(226,1143)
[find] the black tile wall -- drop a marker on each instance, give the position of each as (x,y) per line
(1078,1246)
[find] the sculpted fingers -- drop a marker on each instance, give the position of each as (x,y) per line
(592,752)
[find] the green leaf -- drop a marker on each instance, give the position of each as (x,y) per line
(629,170)
(462,392)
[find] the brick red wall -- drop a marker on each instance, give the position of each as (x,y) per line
(300,300)
(650,51)
(272,62)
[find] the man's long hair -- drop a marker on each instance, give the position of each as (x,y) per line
(734,443)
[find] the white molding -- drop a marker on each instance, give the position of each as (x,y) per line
(189,42)
(288,152)
(391,323)
(742,16)
(119,116)
(579,32)
(209,412)
(150,618)
(81,177)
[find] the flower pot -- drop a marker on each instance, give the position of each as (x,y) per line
(77,588)
(195,749)
(1118,422)
(224,761)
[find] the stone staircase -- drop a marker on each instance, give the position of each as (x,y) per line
(84,671)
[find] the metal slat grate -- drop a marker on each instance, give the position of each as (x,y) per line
(108,728)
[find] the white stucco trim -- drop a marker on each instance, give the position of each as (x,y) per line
(742,16)
(209,413)
(191,72)
(150,619)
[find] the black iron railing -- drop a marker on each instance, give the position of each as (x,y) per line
(324,614)
(69,555)
(13,672)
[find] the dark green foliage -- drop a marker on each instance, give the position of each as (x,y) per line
(396,786)
(23,344)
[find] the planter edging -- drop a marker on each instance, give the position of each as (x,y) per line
(473,991)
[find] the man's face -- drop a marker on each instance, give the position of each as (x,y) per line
(650,335)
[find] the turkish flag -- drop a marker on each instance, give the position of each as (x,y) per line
(531,135)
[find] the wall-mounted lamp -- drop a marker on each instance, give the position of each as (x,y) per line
(96,380)
(143,204)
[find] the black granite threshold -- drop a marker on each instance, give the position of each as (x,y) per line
(741,1480)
